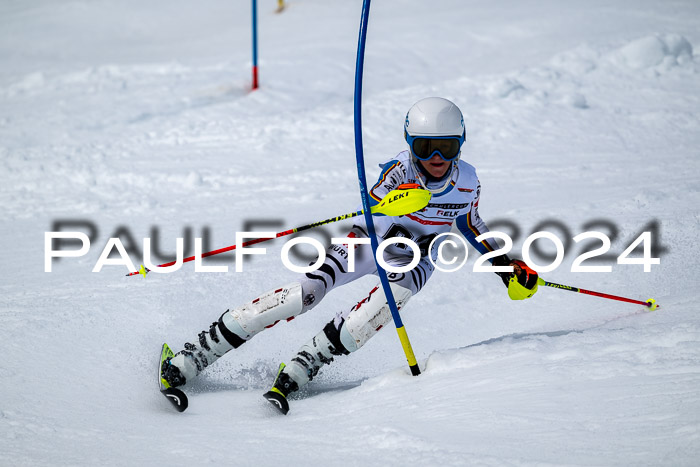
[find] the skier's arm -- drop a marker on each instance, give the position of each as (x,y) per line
(392,175)
(472,225)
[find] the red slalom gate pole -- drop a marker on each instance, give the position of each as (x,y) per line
(255,43)
(651,303)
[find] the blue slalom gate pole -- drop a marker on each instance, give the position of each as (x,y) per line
(255,43)
(359,155)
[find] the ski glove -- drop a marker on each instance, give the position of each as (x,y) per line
(502,260)
(522,282)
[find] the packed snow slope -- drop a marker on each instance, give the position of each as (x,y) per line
(136,118)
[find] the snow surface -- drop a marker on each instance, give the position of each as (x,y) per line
(138,115)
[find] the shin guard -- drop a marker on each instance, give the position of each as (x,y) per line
(265,311)
(370,315)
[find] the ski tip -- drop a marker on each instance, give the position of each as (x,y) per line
(177,398)
(278,401)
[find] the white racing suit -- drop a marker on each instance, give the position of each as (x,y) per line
(352,327)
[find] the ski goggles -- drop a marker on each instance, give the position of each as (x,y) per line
(425,147)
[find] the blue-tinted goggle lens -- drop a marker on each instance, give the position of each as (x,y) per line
(425,148)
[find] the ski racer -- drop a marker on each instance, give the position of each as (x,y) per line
(434,131)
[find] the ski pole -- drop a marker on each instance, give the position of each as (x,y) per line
(396,203)
(651,303)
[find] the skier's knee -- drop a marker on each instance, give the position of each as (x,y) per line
(312,292)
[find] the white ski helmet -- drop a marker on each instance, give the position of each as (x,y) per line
(434,126)
(434,116)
